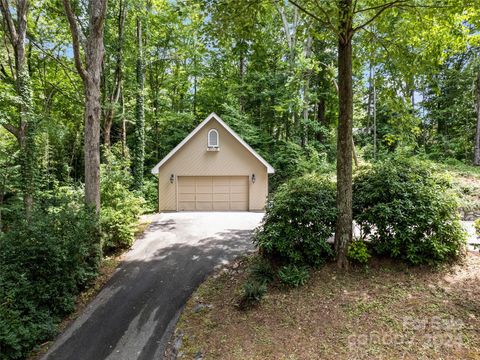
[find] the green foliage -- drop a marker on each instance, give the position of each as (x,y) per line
(251,294)
(42,268)
(150,194)
(358,252)
(261,271)
(477,226)
(408,211)
(293,275)
(120,206)
(299,219)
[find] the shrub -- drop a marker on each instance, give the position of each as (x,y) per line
(299,219)
(252,293)
(408,211)
(262,271)
(358,252)
(293,275)
(120,206)
(477,226)
(44,263)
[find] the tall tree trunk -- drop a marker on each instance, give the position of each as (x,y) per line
(374,120)
(476,157)
(306,88)
(139,143)
(370,95)
(24,132)
(90,73)
(124,127)
(343,233)
(118,76)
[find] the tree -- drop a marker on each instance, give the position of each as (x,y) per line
(114,97)
(339,17)
(139,140)
(90,71)
(476,156)
(24,131)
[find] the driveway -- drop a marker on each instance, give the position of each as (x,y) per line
(134,314)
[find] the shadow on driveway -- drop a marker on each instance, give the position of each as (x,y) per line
(129,317)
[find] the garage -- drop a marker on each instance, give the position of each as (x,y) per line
(212,169)
(212,193)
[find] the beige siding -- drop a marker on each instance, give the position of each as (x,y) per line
(193,159)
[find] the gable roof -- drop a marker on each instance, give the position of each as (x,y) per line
(156,168)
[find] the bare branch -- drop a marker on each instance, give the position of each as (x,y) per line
(5,8)
(76,35)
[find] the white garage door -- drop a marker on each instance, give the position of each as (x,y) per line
(212,193)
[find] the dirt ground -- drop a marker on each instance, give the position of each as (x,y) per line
(385,311)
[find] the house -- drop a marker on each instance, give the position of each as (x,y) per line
(212,169)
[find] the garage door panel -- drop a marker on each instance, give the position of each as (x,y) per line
(221,205)
(238,206)
(207,193)
(221,189)
(204,205)
(239,180)
(186,197)
(237,197)
(239,190)
(204,197)
(203,180)
(186,206)
(186,189)
(221,197)
(221,180)
(204,189)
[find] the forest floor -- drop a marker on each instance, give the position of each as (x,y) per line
(386,311)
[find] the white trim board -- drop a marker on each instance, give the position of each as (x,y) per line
(270,169)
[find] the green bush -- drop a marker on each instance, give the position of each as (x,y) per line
(262,271)
(120,206)
(358,252)
(44,263)
(252,294)
(299,219)
(293,275)
(408,211)
(477,226)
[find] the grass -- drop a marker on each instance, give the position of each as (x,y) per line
(386,311)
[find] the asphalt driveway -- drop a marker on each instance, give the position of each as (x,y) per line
(133,316)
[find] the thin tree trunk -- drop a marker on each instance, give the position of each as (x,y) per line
(476,157)
(343,233)
(124,127)
(24,132)
(139,143)
(118,76)
(370,96)
(321,118)
(374,120)
(2,194)
(306,88)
